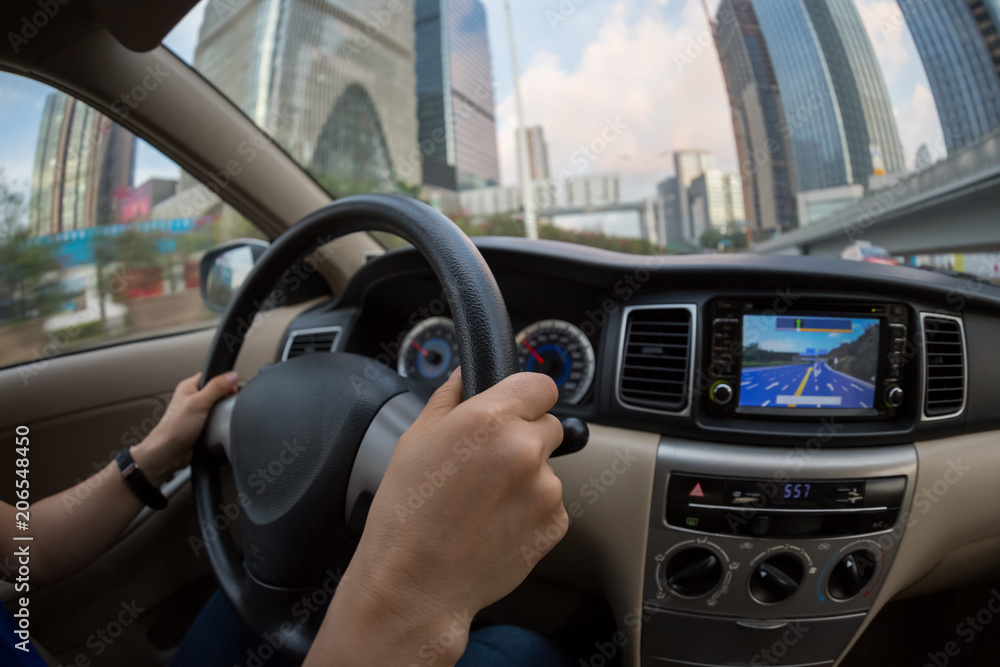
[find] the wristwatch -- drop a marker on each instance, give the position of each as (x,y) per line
(137,481)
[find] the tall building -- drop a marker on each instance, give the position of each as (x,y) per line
(83,161)
(689,165)
(764,147)
(959,46)
(332,81)
(455,91)
(716,200)
(862,96)
(835,100)
(670,228)
(538,153)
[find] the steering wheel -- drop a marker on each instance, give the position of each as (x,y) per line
(308,439)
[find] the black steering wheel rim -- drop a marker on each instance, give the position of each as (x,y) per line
(480,317)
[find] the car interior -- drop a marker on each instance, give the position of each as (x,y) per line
(715,519)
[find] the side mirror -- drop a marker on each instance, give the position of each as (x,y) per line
(224,268)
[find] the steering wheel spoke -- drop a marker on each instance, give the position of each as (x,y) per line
(376,449)
(218,429)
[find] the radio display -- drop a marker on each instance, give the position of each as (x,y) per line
(791,362)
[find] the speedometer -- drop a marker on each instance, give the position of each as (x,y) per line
(429,353)
(561,351)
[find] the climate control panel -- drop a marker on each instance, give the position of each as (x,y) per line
(764,535)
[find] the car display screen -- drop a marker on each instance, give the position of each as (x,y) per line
(791,362)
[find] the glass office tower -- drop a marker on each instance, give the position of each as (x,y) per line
(958,44)
(332,81)
(455,92)
(764,148)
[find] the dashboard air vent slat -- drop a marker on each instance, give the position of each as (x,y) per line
(656,358)
(944,354)
(308,341)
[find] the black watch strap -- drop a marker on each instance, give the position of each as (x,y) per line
(137,481)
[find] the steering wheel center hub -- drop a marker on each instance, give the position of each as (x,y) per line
(296,429)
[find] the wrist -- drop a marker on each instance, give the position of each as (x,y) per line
(400,623)
(152,457)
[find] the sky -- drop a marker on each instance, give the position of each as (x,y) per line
(762,330)
(647,66)
(650,65)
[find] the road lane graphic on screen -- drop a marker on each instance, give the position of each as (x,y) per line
(809,362)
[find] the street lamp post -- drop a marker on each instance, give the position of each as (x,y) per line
(527,196)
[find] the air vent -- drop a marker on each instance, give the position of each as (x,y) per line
(944,366)
(307,341)
(656,358)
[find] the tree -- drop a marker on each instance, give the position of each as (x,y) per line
(23,262)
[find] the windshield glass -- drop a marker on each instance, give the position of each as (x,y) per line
(875,252)
(639,125)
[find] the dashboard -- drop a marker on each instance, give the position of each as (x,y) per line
(740,349)
(783,411)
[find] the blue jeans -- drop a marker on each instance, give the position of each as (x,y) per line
(220,638)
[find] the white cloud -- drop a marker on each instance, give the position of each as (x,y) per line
(662,79)
(921,125)
(887,31)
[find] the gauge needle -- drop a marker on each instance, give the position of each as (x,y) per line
(534,352)
(419,347)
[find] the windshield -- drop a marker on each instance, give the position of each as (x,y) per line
(880,253)
(646,126)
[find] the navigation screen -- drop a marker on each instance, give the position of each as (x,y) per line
(809,362)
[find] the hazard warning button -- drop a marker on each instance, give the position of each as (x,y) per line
(687,489)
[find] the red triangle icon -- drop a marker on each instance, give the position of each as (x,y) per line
(696,492)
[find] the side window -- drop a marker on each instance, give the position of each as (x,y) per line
(100,234)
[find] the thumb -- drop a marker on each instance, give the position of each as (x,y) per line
(217,388)
(444,400)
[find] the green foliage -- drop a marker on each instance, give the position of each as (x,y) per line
(754,356)
(714,239)
(79,332)
(23,265)
(859,358)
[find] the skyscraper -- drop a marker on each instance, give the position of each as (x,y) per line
(958,44)
(83,160)
(716,201)
(671,230)
(862,97)
(689,165)
(538,153)
(332,81)
(764,147)
(835,101)
(455,92)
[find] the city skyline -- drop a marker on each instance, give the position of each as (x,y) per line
(557,65)
(560,63)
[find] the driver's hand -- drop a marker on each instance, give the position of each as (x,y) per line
(168,446)
(455,524)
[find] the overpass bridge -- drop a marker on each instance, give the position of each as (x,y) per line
(951,207)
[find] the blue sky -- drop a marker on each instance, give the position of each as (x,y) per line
(583,62)
(639,62)
(761,329)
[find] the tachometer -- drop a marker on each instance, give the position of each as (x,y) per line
(561,351)
(429,353)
